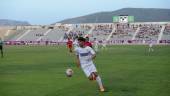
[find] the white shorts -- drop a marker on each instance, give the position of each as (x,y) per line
(150,45)
(89,69)
(96,49)
(104,45)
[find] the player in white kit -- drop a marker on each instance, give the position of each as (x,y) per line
(75,43)
(96,44)
(85,56)
(104,42)
(151,46)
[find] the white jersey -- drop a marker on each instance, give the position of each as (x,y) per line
(96,43)
(104,42)
(150,43)
(75,43)
(85,55)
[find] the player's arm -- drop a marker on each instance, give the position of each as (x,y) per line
(77,61)
(77,58)
(93,56)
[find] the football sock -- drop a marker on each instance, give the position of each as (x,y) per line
(99,81)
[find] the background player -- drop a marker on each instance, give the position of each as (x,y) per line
(104,42)
(70,45)
(75,42)
(95,44)
(1,47)
(151,46)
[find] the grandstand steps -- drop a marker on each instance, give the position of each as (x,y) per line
(110,35)
(2,33)
(38,35)
(41,37)
(7,33)
(16,35)
(67,32)
(166,34)
(133,38)
(91,30)
(10,34)
(33,35)
(161,34)
(100,37)
(54,35)
(114,33)
(19,38)
(70,29)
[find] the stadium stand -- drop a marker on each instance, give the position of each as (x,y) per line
(115,33)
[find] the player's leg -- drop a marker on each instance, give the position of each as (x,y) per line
(103,46)
(152,49)
(1,51)
(91,73)
(94,76)
(149,48)
(99,81)
(90,78)
(70,49)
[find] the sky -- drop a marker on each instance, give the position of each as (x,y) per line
(46,12)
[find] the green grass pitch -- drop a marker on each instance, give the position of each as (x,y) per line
(125,71)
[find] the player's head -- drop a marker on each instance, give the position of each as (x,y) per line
(76,37)
(87,39)
(69,38)
(81,41)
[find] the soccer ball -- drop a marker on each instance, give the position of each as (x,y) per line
(69,72)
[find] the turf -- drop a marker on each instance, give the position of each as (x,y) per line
(125,71)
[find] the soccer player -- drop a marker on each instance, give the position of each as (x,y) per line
(104,42)
(150,46)
(85,56)
(75,43)
(70,45)
(1,48)
(95,43)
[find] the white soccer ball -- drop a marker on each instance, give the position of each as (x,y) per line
(69,72)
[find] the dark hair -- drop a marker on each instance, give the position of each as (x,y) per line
(77,37)
(81,39)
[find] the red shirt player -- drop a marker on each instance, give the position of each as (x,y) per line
(87,43)
(70,45)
